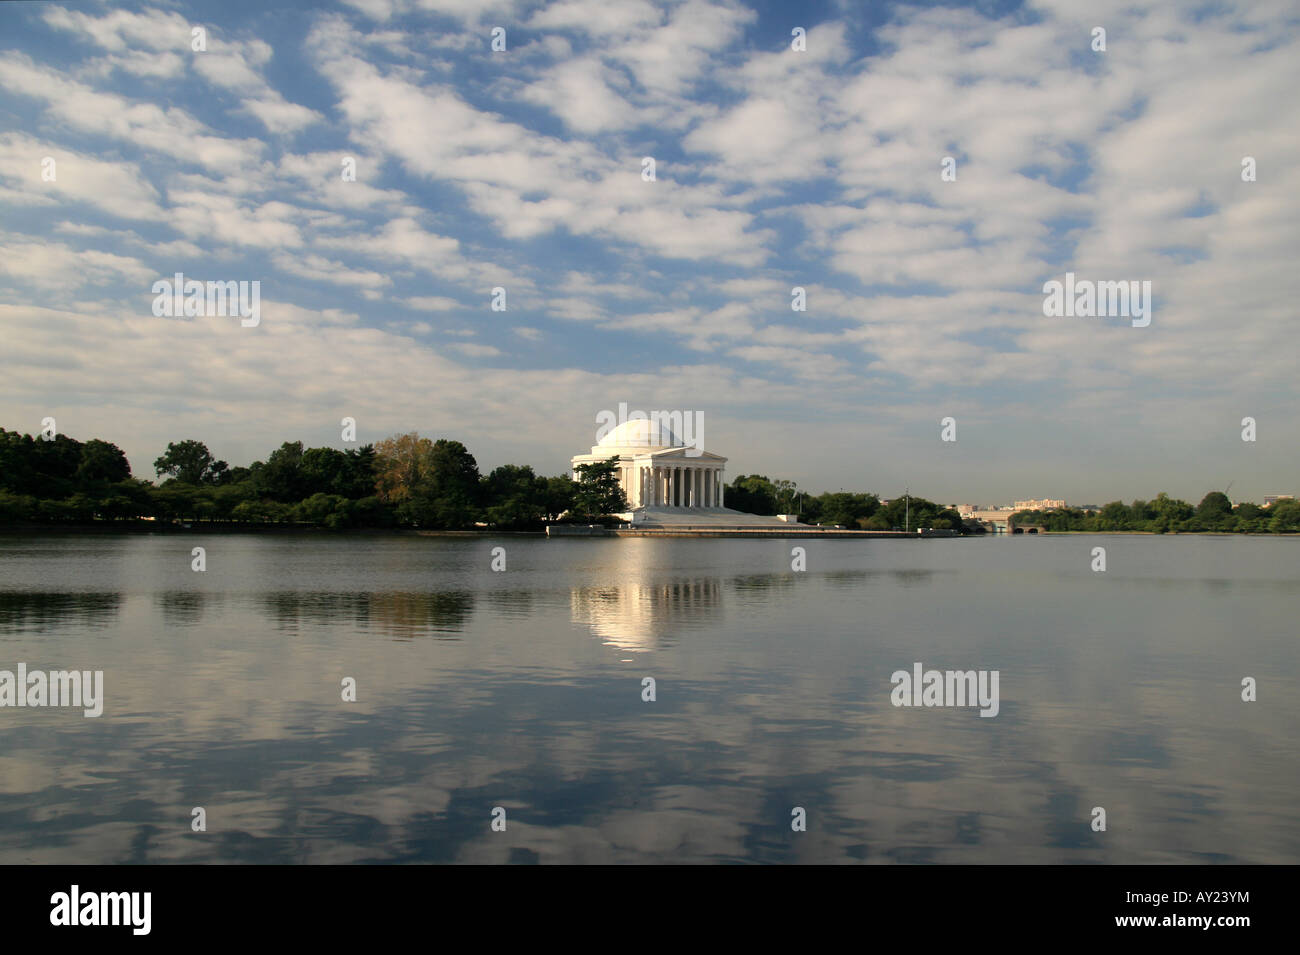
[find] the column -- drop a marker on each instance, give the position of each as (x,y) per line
(722,491)
(696,484)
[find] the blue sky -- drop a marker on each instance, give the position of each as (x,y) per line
(775,168)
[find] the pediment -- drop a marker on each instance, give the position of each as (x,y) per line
(679,454)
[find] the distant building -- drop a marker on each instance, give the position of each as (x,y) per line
(1271,499)
(1046,504)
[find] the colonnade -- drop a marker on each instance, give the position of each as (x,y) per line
(675,485)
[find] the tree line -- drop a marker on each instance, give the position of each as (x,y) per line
(404,480)
(410,481)
(1166,515)
(755,494)
(759,495)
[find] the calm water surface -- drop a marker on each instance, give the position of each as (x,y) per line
(523,690)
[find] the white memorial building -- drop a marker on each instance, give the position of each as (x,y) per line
(657,469)
(667,481)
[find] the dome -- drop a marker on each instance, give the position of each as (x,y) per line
(640,433)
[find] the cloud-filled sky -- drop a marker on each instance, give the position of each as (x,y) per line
(774,168)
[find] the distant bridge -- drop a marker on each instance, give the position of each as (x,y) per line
(1002,523)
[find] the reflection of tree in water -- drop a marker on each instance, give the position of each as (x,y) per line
(292,607)
(401,613)
(749,583)
(511,603)
(182,608)
(848,578)
(34,610)
(411,614)
(645,616)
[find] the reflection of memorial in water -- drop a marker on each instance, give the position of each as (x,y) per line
(646,615)
(35,610)
(401,614)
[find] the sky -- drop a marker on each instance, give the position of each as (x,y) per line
(794,145)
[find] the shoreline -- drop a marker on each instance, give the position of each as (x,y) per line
(567,531)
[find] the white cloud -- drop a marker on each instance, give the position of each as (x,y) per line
(118,188)
(431,303)
(170,131)
(320,269)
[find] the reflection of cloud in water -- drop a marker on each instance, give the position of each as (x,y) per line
(22,611)
(400,614)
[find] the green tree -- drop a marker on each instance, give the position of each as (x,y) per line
(1214,510)
(753,494)
(1113,517)
(429,483)
(785,492)
(281,477)
(842,508)
(101,461)
(514,497)
(454,487)
(598,493)
(1284,517)
(559,496)
(189,462)
(358,479)
(1172,510)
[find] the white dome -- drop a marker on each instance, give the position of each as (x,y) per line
(641,433)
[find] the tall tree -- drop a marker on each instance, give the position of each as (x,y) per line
(753,494)
(598,492)
(189,462)
(432,483)
(514,496)
(101,461)
(403,464)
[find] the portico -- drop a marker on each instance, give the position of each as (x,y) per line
(657,470)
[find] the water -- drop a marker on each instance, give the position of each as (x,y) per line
(523,690)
